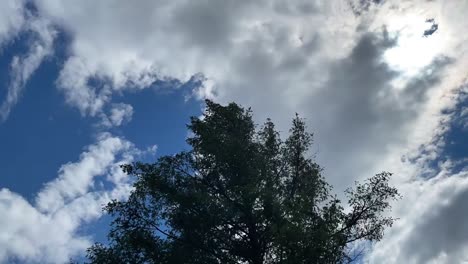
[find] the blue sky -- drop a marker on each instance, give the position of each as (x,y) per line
(42,122)
(86,86)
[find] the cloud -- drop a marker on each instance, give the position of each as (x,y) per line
(22,67)
(369,84)
(278,57)
(119,114)
(433,224)
(11,19)
(136,44)
(46,230)
(318,58)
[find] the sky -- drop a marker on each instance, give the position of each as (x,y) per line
(88,85)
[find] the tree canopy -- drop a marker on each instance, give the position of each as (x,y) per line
(241,194)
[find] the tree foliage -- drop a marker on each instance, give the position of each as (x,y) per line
(241,195)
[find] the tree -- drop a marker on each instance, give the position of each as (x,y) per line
(241,195)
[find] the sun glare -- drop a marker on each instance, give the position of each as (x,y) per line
(418,43)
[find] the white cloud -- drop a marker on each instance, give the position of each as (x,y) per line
(119,114)
(22,67)
(11,19)
(132,45)
(46,230)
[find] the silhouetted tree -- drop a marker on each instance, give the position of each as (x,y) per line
(241,195)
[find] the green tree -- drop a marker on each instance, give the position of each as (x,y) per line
(241,195)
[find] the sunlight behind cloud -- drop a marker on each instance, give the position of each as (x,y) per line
(414,50)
